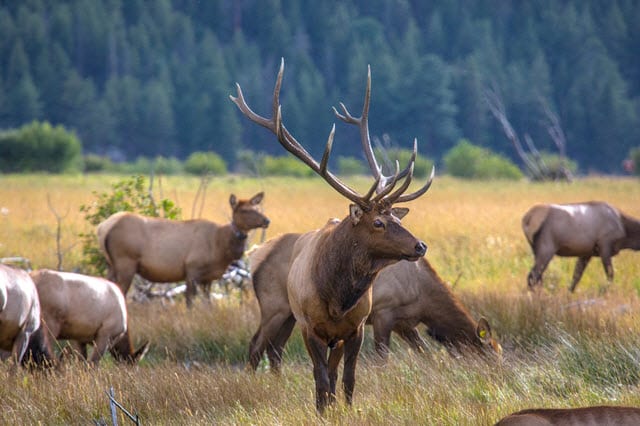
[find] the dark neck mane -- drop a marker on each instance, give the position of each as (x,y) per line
(344,271)
(632,229)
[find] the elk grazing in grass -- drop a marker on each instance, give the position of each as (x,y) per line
(21,331)
(581,230)
(332,268)
(583,416)
(84,309)
(405,294)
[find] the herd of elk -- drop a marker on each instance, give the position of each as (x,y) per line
(332,268)
(405,294)
(86,310)
(583,416)
(581,230)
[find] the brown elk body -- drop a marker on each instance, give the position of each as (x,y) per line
(20,326)
(332,268)
(581,230)
(87,310)
(405,294)
(584,416)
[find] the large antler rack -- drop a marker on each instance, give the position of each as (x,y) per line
(382,186)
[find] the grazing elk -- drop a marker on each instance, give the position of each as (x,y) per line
(579,230)
(332,268)
(20,327)
(87,310)
(583,416)
(405,294)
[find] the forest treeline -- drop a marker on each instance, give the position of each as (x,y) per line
(146,78)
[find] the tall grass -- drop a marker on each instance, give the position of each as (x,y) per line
(560,349)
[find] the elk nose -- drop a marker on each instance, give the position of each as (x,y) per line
(421,248)
(266,223)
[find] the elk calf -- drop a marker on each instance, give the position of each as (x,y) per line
(583,416)
(20,327)
(87,310)
(581,230)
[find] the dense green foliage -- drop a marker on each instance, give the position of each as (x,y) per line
(39,147)
(466,160)
(147,78)
(127,195)
(201,163)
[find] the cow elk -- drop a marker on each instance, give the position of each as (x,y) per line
(581,230)
(332,268)
(161,250)
(21,331)
(84,309)
(405,294)
(582,416)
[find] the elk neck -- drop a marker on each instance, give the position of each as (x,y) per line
(234,239)
(344,269)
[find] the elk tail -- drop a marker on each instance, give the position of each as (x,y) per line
(533,220)
(103,230)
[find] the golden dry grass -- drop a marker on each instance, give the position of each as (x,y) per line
(560,349)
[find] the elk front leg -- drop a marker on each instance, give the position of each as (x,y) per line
(191,292)
(412,337)
(351,350)
(318,353)
(335,356)
(382,326)
(581,264)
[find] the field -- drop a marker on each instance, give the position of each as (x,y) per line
(560,349)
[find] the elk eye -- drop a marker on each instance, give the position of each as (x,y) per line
(378,223)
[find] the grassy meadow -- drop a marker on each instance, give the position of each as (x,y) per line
(560,349)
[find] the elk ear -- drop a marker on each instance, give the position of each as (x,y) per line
(483,330)
(356,212)
(399,212)
(256,199)
(233,201)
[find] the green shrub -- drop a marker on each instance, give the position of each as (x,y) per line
(97,163)
(284,166)
(554,163)
(201,163)
(40,147)
(469,161)
(167,166)
(130,195)
(349,166)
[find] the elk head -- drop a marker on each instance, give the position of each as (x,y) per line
(246,214)
(372,215)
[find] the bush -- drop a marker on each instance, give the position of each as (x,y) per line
(554,163)
(167,166)
(129,195)
(284,166)
(97,163)
(349,166)
(202,163)
(469,161)
(40,147)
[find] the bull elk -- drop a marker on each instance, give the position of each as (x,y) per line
(405,294)
(84,309)
(581,230)
(21,330)
(582,416)
(332,268)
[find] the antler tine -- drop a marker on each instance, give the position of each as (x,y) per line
(287,140)
(382,192)
(397,196)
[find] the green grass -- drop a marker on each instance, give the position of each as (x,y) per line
(560,349)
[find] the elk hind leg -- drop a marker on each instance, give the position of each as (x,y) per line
(276,348)
(581,264)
